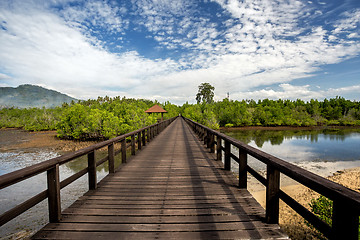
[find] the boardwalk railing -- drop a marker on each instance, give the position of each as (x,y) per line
(141,137)
(346,202)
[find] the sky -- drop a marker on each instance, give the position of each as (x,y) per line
(164,49)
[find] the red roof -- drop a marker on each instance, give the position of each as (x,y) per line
(155,109)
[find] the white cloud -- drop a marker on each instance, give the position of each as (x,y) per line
(288,91)
(39,47)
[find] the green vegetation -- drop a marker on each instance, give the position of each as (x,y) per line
(108,117)
(92,119)
(323,208)
(336,111)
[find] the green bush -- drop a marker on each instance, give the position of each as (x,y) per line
(323,208)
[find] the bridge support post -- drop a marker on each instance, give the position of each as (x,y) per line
(111,154)
(212,143)
(345,223)
(218,148)
(123,150)
(242,169)
(54,203)
(227,163)
(92,171)
(148,134)
(139,140)
(208,140)
(143,138)
(272,195)
(133,152)
(205,138)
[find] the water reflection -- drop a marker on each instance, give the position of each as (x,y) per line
(277,137)
(297,146)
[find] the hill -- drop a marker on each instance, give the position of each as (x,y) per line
(27,95)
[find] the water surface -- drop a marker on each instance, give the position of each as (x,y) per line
(320,150)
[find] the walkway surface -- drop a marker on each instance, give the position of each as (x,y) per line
(172,189)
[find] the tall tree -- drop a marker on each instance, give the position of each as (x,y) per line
(205,93)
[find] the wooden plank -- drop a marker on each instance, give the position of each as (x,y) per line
(250,234)
(163,227)
(163,219)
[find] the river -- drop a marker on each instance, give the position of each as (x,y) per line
(322,150)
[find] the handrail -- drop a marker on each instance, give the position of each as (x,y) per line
(141,136)
(346,202)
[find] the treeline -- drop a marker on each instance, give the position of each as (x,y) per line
(109,117)
(91,119)
(228,113)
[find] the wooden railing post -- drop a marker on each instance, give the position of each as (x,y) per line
(92,170)
(218,148)
(111,153)
(148,134)
(345,221)
(227,163)
(272,195)
(212,143)
(208,139)
(123,150)
(139,140)
(205,137)
(242,169)
(54,202)
(133,152)
(143,138)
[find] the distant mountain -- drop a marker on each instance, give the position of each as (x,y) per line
(31,96)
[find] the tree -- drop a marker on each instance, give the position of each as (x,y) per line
(205,93)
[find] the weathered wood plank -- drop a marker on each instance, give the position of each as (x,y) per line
(250,234)
(163,219)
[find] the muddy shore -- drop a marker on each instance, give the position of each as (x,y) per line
(19,139)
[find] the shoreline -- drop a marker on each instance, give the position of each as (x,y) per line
(286,127)
(22,139)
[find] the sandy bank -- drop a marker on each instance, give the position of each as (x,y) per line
(292,223)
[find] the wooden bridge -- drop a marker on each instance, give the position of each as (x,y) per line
(176,188)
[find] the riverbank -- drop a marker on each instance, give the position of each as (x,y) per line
(20,139)
(292,223)
(288,127)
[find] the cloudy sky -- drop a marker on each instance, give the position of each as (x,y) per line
(164,49)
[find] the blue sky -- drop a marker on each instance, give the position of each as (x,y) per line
(164,50)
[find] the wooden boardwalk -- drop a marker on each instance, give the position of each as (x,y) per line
(172,189)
